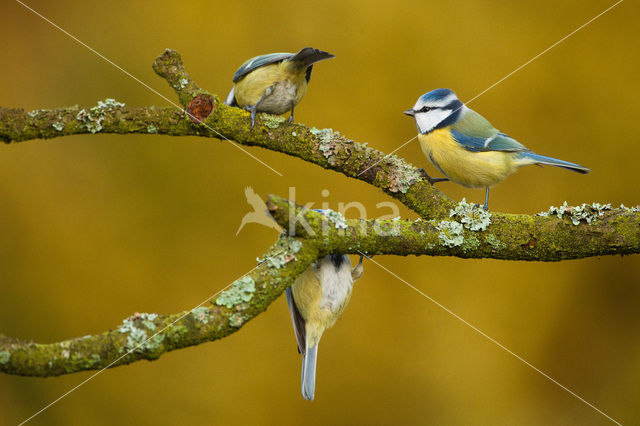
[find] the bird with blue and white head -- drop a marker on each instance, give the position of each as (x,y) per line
(466,148)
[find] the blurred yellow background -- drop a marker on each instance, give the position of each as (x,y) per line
(94,228)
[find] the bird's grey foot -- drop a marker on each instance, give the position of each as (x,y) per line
(436,180)
(429,178)
(486,200)
(291,116)
(253,110)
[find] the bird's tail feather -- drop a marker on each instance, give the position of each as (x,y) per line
(309,372)
(231,98)
(541,159)
(309,55)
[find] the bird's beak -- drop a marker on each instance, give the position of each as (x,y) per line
(410,112)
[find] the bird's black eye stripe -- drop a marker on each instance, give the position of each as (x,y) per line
(425,109)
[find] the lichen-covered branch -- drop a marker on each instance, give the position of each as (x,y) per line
(471,232)
(149,335)
(446,228)
(323,147)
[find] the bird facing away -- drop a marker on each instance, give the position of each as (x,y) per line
(466,148)
(316,300)
(274,83)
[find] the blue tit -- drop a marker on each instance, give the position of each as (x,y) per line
(316,300)
(466,148)
(274,83)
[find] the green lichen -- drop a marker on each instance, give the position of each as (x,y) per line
(96,358)
(401,175)
(5,356)
(338,220)
(236,320)
(451,233)
(272,121)
(283,251)
(137,339)
(586,212)
(325,135)
(241,291)
(152,129)
(201,314)
(495,242)
(175,333)
(472,216)
(470,243)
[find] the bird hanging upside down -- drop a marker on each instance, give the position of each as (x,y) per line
(316,300)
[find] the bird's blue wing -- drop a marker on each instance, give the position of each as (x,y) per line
(259,61)
(475,133)
(497,142)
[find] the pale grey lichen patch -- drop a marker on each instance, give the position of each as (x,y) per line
(5,357)
(294,134)
(34,113)
(451,233)
(138,340)
(472,216)
(586,212)
(241,291)
(402,174)
(201,314)
(96,358)
(152,129)
(58,125)
(94,117)
(325,135)
(93,124)
(272,121)
(147,320)
(629,209)
(107,105)
(183,83)
(236,320)
(495,242)
(328,144)
(284,251)
(338,220)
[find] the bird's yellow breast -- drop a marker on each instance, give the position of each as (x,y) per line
(307,294)
(471,169)
(288,81)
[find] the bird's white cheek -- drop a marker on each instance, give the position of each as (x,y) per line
(427,121)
